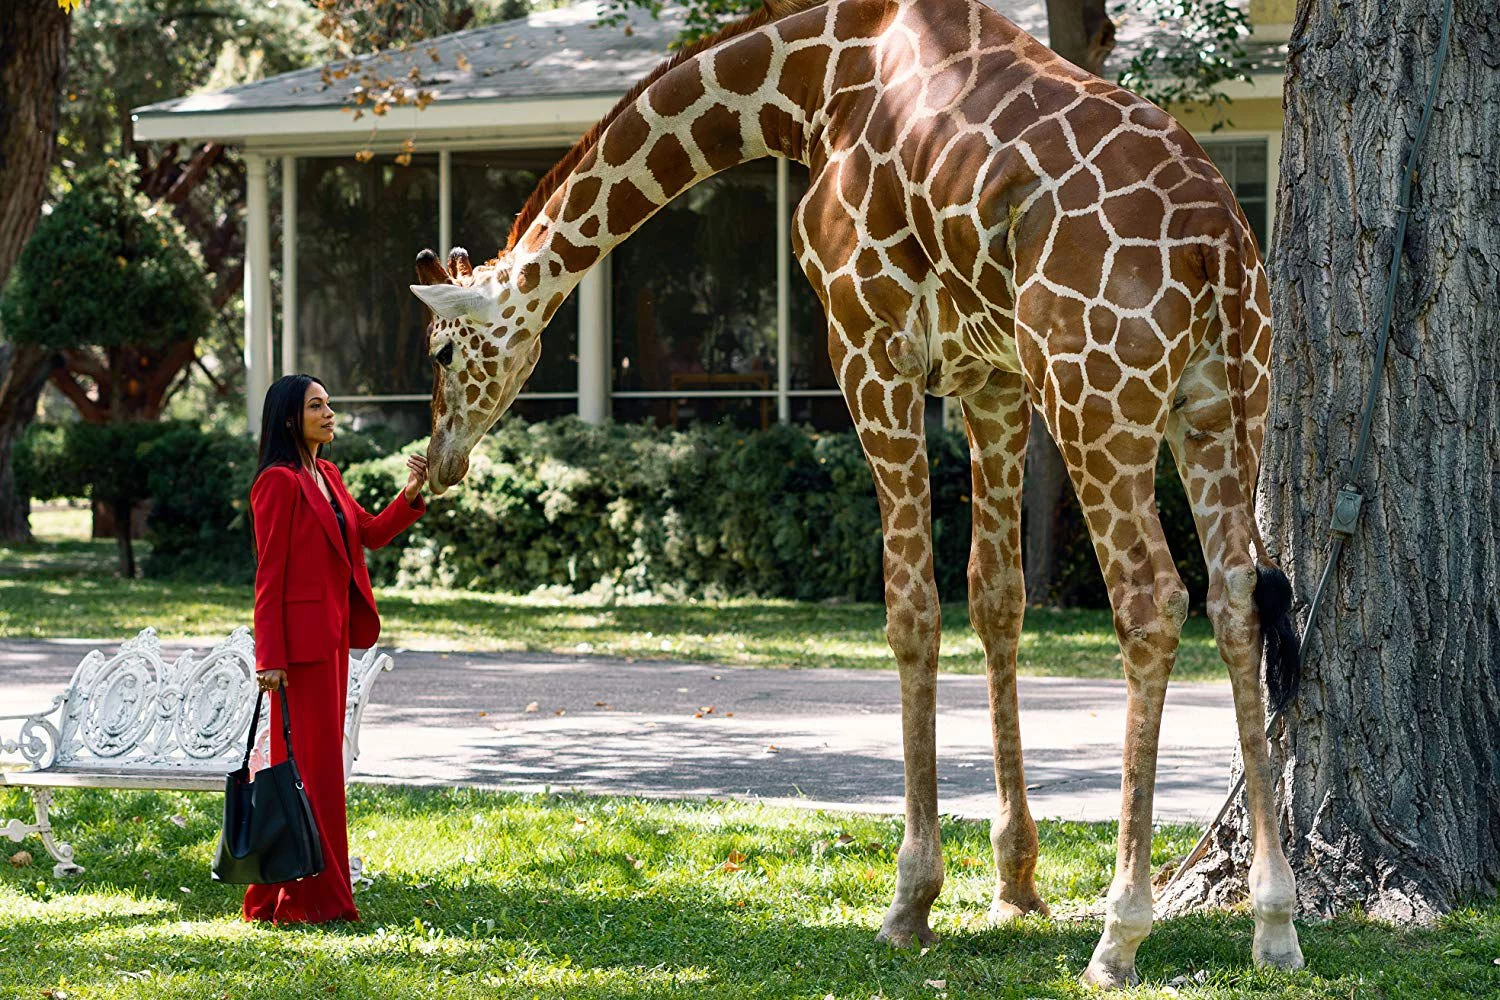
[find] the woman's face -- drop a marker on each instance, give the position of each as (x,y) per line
(317,417)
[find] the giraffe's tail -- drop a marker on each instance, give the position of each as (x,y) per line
(1273,591)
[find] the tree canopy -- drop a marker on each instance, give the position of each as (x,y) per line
(102,270)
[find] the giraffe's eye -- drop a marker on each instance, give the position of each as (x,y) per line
(444,357)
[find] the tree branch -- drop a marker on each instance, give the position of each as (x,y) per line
(89,409)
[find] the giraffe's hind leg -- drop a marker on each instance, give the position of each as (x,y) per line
(1202,441)
(997,418)
(1110,446)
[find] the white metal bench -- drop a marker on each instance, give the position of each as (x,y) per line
(135,721)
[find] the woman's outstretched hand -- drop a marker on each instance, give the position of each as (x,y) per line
(417,463)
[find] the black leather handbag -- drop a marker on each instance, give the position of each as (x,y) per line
(269,834)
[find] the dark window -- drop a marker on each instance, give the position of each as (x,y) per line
(1243,164)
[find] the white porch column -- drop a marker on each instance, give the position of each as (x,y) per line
(783,296)
(288,265)
(257,288)
(445,204)
(593,344)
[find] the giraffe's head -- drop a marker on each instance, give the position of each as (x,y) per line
(483,342)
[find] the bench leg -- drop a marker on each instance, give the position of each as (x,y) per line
(63,853)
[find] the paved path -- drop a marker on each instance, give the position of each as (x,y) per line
(810,737)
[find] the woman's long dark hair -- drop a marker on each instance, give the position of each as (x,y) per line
(281,441)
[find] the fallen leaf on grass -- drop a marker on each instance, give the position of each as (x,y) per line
(844,838)
(730,866)
(635,862)
(969,862)
(21,859)
(178,820)
(736,857)
(937,984)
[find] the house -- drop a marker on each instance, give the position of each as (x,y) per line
(699,315)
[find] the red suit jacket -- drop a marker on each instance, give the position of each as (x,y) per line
(303,576)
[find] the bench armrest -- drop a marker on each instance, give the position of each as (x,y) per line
(38,737)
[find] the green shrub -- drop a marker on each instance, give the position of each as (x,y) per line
(711,511)
(200,490)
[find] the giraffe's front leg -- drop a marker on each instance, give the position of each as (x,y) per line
(997,420)
(912,628)
(893,437)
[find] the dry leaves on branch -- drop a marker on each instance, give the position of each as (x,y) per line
(21,859)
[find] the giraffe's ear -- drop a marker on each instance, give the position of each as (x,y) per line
(456,301)
(429,271)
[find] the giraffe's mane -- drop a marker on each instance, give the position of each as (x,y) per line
(771,10)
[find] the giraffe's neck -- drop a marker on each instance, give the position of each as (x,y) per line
(718,109)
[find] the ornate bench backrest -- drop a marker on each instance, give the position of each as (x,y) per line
(135,711)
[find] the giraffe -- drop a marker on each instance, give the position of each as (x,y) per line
(988,222)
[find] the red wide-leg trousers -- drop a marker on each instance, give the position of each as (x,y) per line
(316,693)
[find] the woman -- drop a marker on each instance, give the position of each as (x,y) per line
(312,602)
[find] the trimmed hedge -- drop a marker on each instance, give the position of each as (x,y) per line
(707,512)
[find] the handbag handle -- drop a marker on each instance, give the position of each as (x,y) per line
(286,726)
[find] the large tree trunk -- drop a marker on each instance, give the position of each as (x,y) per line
(33,55)
(1391,783)
(1081,32)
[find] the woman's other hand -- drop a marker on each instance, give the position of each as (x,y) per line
(417,463)
(270,680)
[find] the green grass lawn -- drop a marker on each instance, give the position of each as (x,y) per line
(480,894)
(66,585)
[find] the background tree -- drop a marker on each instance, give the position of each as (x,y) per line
(103,273)
(128,53)
(1391,774)
(33,45)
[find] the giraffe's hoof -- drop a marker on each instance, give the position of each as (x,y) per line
(1276,945)
(1003,911)
(1104,976)
(903,926)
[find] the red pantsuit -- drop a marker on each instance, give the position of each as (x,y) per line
(312,603)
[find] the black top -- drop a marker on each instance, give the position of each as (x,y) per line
(338,513)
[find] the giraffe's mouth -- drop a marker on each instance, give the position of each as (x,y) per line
(446,471)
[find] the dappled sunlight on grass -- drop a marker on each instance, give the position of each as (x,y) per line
(478,894)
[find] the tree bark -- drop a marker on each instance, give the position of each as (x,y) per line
(1081,32)
(23,373)
(1391,774)
(33,56)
